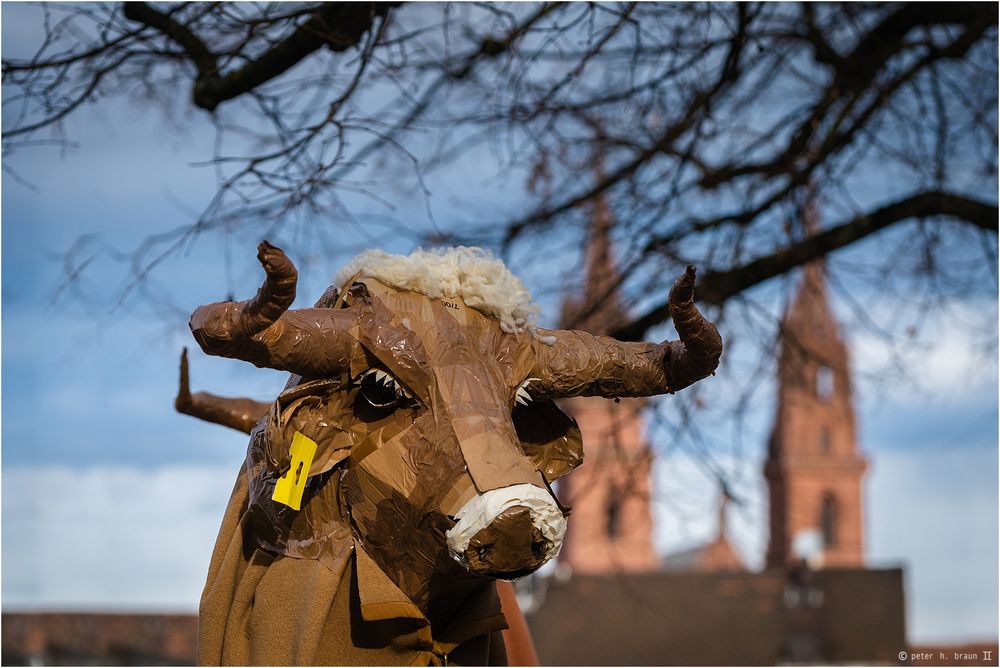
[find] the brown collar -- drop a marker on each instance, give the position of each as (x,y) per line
(381,599)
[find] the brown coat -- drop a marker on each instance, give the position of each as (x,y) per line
(262,609)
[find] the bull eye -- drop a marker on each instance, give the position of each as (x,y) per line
(380,389)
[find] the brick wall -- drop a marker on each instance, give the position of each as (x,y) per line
(96,639)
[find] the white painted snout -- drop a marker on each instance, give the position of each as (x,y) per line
(482,509)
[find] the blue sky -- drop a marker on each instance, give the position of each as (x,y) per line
(111,500)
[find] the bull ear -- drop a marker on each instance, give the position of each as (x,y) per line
(309,408)
(549,437)
(329,298)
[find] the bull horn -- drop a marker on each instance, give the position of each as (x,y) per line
(183,402)
(697,354)
(238,413)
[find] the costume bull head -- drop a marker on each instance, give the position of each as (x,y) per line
(428,393)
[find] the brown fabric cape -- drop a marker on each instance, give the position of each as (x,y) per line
(264,610)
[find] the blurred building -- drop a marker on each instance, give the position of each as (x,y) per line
(721,618)
(612,601)
(98,639)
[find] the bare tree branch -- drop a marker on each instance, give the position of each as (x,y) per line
(717,286)
(336,25)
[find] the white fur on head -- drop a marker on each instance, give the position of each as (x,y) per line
(482,281)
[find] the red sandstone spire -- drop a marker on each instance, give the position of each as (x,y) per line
(809,320)
(724,499)
(598,310)
(809,326)
(612,527)
(813,468)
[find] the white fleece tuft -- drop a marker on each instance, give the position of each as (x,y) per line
(482,281)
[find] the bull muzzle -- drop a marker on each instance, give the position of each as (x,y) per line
(507,533)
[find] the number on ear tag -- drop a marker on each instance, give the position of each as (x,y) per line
(289,488)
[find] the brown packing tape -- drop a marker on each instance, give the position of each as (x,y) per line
(460,493)
(318,531)
(581,364)
(550,438)
(305,408)
(494,464)
(399,517)
(384,464)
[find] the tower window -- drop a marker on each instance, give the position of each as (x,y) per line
(824,439)
(612,525)
(828,520)
(824,382)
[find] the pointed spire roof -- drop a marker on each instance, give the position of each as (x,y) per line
(809,314)
(598,310)
(809,320)
(724,499)
(716,555)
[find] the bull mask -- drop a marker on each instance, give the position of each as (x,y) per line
(437,434)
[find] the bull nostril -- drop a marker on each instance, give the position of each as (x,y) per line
(538,549)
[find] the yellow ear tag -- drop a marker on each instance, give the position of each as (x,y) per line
(289,488)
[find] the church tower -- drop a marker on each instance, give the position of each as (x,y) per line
(813,468)
(612,526)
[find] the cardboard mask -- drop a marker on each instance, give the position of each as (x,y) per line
(427,399)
